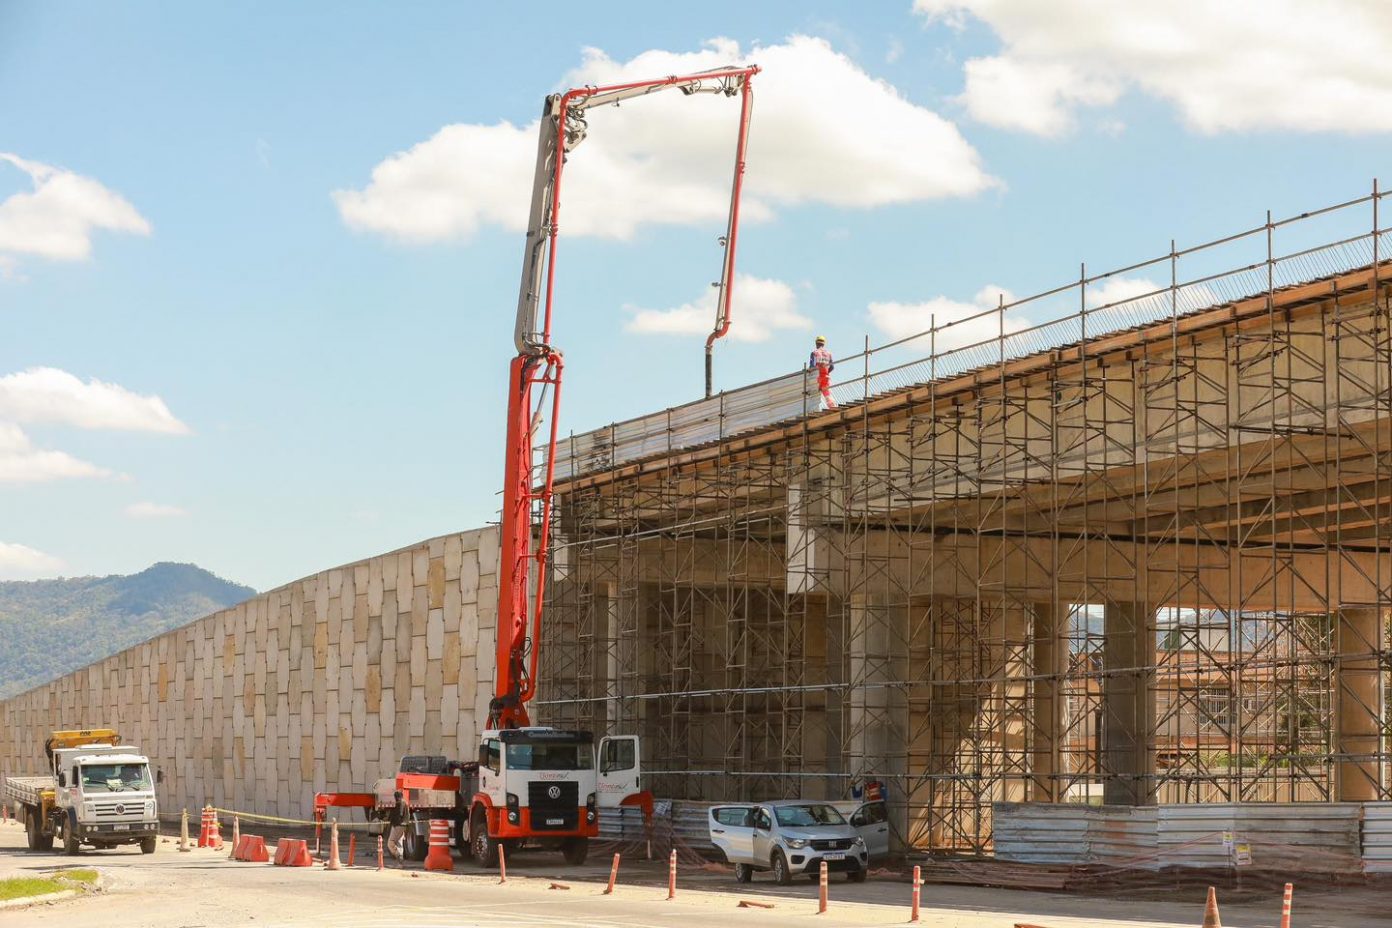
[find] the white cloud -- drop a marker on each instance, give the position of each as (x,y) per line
(57,217)
(759,308)
(49,395)
(1238,65)
(21,562)
(824,131)
(959,323)
(148,510)
(21,462)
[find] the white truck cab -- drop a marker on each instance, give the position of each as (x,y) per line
(540,786)
(106,797)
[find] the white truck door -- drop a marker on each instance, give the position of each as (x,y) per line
(619,771)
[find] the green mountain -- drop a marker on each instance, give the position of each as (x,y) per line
(49,627)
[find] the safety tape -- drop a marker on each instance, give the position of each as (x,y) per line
(275,819)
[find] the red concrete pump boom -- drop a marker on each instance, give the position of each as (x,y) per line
(539,365)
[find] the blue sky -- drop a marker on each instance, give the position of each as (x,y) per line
(210,358)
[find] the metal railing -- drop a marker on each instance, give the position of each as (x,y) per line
(1263,259)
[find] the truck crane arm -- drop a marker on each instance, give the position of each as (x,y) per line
(537,368)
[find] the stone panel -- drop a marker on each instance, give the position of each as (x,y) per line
(320,684)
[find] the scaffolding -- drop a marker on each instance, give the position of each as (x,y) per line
(1133,547)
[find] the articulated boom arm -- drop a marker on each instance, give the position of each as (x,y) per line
(539,365)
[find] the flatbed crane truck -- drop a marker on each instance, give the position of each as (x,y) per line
(98,792)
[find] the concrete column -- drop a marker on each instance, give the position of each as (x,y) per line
(1359,701)
(878,730)
(1128,704)
(1015,702)
(1050,659)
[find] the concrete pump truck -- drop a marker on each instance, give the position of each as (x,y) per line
(531,785)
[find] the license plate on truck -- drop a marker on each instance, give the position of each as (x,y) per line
(834,855)
(120,828)
(555,821)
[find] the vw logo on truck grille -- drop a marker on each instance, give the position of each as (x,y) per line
(554,792)
(120,809)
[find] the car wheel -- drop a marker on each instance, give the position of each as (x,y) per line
(782,874)
(858,876)
(743,873)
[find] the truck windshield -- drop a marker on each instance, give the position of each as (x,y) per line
(804,816)
(115,778)
(549,757)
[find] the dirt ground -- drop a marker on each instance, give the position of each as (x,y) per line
(202,889)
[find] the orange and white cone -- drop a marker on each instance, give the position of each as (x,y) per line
(332,863)
(438,858)
(1210,912)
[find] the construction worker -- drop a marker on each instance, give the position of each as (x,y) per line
(396,839)
(823,364)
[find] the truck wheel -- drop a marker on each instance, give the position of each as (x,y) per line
(483,845)
(415,846)
(782,875)
(38,841)
(575,850)
(147,845)
(71,846)
(31,831)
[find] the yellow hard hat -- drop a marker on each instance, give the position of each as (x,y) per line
(821,338)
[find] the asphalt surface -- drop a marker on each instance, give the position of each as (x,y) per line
(202,889)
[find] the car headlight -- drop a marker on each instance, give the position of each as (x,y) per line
(797,842)
(859,841)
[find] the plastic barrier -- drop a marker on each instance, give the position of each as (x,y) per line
(292,852)
(183,832)
(822,889)
(917,892)
(672,875)
(1285,905)
(252,849)
(236,836)
(439,857)
(502,864)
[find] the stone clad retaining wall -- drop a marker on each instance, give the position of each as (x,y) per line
(319,684)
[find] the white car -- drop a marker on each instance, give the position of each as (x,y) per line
(788,838)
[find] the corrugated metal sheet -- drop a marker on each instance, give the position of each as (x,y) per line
(1318,837)
(1075,834)
(1377,837)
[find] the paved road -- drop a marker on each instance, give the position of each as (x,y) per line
(202,889)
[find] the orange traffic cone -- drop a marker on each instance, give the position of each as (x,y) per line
(1210,912)
(333,862)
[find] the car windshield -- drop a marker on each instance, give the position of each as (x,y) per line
(805,816)
(115,778)
(549,757)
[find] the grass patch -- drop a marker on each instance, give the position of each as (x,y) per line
(18,887)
